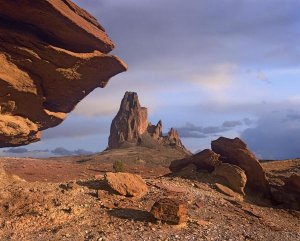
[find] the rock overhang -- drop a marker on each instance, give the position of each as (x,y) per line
(53,54)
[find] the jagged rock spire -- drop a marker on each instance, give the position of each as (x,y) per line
(130,127)
(130,122)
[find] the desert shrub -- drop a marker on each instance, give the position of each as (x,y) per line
(119,166)
(140,161)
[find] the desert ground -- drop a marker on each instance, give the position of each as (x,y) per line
(66,199)
(147,185)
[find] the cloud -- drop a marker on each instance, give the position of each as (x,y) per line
(231,124)
(192,131)
(259,75)
(198,31)
(16,150)
(217,78)
(276,136)
(192,42)
(188,48)
(60,151)
(248,122)
(293,116)
(78,127)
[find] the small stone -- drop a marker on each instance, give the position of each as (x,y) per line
(170,210)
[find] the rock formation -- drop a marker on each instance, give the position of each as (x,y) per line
(126,184)
(130,127)
(234,176)
(204,160)
(235,151)
(170,210)
(231,151)
(288,195)
(52,55)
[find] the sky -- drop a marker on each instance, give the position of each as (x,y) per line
(208,68)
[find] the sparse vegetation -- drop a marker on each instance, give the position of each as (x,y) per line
(119,166)
(140,161)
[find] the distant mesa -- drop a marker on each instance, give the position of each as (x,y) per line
(52,55)
(130,127)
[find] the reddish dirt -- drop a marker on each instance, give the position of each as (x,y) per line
(54,171)
(48,206)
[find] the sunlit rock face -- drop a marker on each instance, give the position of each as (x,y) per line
(130,127)
(235,151)
(52,55)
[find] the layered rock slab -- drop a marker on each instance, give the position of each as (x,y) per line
(52,54)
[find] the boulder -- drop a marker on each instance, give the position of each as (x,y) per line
(170,210)
(130,127)
(288,195)
(204,160)
(126,184)
(235,151)
(234,176)
(52,55)
(292,184)
(188,171)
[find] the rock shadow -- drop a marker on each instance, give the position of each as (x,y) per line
(97,185)
(132,214)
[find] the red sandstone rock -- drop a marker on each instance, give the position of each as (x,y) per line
(235,176)
(155,130)
(126,184)
(173,138)
(235,151)
(52,55)
(288,195)
(227,191)
(130,122)
(293,183)
(130,127)
(204,160)
(170,210)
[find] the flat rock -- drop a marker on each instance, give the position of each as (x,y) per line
(52,55)
(170,210)
(227,191)
(235,176)
(235,151)
(126,184)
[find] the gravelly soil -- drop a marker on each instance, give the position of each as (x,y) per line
(68,207)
